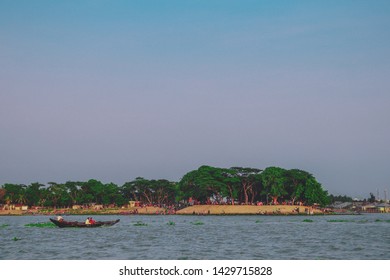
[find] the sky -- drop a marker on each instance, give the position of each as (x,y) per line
(113,90)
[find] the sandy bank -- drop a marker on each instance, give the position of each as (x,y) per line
(246,210)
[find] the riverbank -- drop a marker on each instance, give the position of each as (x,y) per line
(151,210)
(248,210)
(191,210)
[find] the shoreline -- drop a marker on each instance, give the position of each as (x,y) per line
(249,210)
(191,210)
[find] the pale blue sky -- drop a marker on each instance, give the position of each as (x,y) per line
(117,89)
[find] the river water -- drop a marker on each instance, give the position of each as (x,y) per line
(361,237)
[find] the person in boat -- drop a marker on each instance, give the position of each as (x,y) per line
(88,221)
(60,219)
(92,221)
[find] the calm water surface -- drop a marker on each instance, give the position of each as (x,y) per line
(201,237)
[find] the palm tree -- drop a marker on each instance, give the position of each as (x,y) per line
(21,199)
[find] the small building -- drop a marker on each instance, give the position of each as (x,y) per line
(369,208)
(383,207)
(133,203)
(18,207)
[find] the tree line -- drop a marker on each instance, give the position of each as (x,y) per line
(207,184)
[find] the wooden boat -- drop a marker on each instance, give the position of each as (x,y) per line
(64,223)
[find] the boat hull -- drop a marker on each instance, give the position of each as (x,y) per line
(64,224)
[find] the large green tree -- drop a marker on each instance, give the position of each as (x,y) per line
(164,191)
(34,193)
(202,184)
(302,186)
(250,181)
(274,179)
(130,191)
(58,196)
(110,194)
(231,184)
(150,191)
(92,191)
(314,193)
(74,191)
(296,184)
(143,187)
